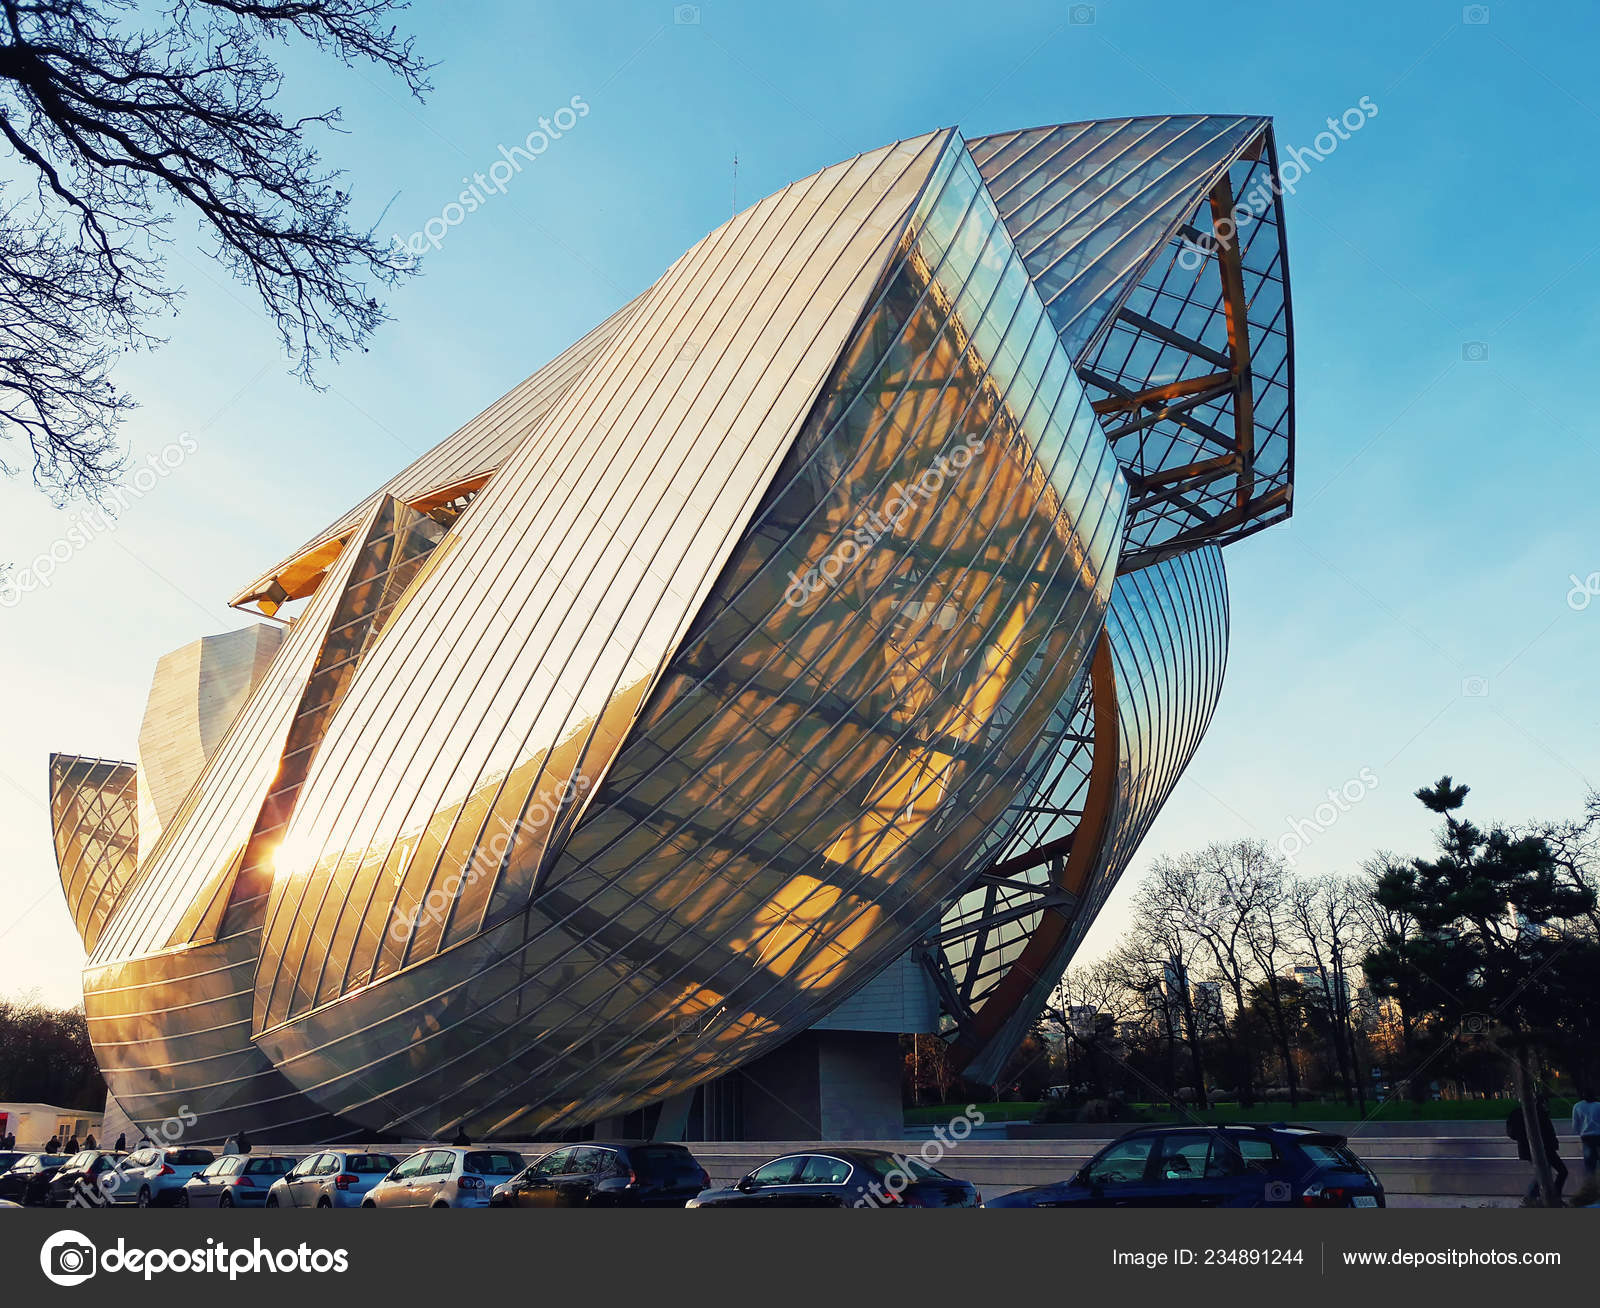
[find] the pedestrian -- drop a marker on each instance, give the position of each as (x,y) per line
(89,1142)
(72,1145)
(1517,1129)
(9,1143)
(230,1146)
(461,1141)
(54,1147)
(244,1143)
(1586,1126)
(122,1142)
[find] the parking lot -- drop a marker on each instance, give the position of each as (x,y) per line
(1417,1165)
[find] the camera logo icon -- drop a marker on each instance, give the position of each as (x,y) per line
(1278,1192)
(68,1258)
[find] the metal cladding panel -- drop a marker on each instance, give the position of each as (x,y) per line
(769,807)
(94,820)
(172,1034)
(466,456)
(1167,631)
(195,694)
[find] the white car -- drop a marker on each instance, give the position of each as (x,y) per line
(152,1177)
(445,1178)
(331,1180)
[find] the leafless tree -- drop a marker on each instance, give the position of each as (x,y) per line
(121,117)
(1325,912)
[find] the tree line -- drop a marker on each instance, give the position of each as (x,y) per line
(1469,971)
(46,1058)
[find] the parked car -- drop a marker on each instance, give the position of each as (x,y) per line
(844,1178)
(85,1179)
(234,1181)
(29,1177)
(606,1175)
(331,1180)
(152,1177)
(444,1178)
(1226,1166)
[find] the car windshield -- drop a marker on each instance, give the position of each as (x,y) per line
(367,1163)
(884,1166)
(493,1162)
(190,1157)
(661,1165)
(1332,1155)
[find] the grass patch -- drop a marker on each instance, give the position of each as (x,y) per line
(1015,1110)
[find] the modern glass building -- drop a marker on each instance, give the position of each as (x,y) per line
(797,659)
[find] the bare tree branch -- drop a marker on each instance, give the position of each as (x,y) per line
(123,129)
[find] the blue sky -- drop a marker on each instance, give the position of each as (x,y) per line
(1413,618)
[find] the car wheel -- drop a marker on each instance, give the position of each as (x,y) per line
(144,1196)
(441,1204)
(226,1201)
(272,1201)
(183,1199)
(367,1203)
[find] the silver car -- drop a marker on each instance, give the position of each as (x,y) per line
(445,1178)
(336,1179)
(234,1181)
(153,1177)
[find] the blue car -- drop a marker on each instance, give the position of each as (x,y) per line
(1225,1166)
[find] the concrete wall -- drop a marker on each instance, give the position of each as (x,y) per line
(836,1085)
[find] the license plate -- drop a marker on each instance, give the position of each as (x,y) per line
(1364,1201)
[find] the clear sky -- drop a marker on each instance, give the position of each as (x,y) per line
(1413,618)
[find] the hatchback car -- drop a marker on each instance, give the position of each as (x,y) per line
(85,1180)
(29,1177)
(606,1175)
(1214,1167)
(331,1180)
(844,1178)
(234,1181)
(444,1178)
(153,1178)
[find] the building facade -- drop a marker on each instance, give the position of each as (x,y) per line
(802,654)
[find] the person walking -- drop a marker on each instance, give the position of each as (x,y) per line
(1586,1126)
(54,1147)
(244,1143)
(122,1142)
(89,1141)
(1517,1129)
(72,1145)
